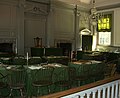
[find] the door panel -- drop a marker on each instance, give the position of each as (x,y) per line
(87,42)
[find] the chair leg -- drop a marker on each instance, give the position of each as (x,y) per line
(38,91)
(10,92)
(21,92)
(79,83)
(48,89)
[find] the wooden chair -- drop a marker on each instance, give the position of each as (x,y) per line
(64,78)
(110,67)
(82,74)
(19,60)
(3,85)
(42,79)
(96,71)
(16,80)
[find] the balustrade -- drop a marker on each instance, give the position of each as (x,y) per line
(107,88)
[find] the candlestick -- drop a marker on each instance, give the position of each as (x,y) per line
(16,50)
(44,51)
(27,56)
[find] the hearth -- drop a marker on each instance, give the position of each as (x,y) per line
(6,47)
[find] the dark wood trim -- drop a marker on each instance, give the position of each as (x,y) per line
(81,88)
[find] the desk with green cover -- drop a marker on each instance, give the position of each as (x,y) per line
(30,74)
(89,70)
(5,91)
(57,59)
(31,71)
(90,55)
(37,51)
(20,60)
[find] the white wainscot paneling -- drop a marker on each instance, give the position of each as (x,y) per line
(7,16)
(117,27)
(7,33)
(34,28)
(63,22)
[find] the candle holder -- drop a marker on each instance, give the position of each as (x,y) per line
(27,58)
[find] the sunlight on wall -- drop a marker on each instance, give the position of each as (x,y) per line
(94,42)
(85,1)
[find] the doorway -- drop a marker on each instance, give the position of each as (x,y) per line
(87,42)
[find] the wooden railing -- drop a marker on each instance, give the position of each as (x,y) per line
(107,88)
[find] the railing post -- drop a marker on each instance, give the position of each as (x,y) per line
(99,93)
(94,92)
(82,95)
(108,88)
(103,92)
(119,90)
(112,94)
(108,92)
(116,90)
(88,95)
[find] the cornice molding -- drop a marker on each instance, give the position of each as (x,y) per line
(109,7)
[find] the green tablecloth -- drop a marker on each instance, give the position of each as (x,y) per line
(57,59)
(94,71)
(30,75)
(4,92)
(57,70)
(20,60)
(37,51)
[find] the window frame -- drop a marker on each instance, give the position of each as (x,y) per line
(107,30)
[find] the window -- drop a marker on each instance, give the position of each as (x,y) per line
(104,38)
(104,24)
(104,30)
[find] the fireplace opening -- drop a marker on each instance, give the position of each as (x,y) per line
(67,47)
(6,47)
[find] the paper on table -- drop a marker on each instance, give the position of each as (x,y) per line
(35,67)
(57,65)
(9,67)
(5,58)
(82,62)
(93,61)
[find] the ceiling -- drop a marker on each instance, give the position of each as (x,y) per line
(98,3)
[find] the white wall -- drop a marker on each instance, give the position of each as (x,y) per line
(61,24)
(21,22)
(115,26)
(8,22)
(66,24)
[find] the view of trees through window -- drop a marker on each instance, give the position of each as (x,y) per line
(104,29)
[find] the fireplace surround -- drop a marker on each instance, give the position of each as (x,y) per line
(8,45)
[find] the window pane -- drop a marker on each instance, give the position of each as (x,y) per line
(104,38)
(104,23)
